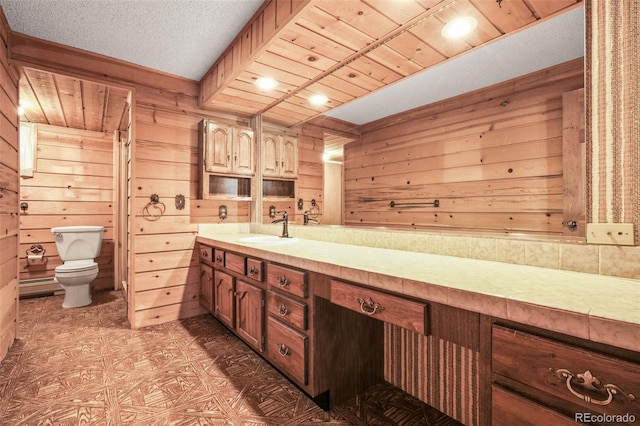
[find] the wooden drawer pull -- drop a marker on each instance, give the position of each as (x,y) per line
(205,253)
(282,310)
(369,307)
(218,259)
(588,381)
(253,271)
(283,349)
(283,281)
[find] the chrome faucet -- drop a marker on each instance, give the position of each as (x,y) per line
(307,220)
(285,223)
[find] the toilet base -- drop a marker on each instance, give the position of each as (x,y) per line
(76,296)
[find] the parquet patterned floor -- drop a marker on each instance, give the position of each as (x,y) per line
(86,366)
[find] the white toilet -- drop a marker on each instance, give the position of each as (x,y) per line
(77,246)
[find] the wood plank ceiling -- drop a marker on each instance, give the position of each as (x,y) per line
(63,101)
(347,49)
(342,49)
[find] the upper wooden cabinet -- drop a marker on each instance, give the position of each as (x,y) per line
(227,149)
(279,155)
(226,160)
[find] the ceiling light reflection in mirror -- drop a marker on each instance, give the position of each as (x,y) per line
(459,27)
(318,100)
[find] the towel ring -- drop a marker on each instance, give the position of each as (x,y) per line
(156,204)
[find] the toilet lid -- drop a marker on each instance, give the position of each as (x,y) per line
(77,266)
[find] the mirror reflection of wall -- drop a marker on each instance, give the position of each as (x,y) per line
(333,181)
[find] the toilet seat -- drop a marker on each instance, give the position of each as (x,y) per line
(74,266)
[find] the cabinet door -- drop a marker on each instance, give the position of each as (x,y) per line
(270,154)
(217,148)
(250,314)
(223,297)
(206,286)
(243,151)
(289,157)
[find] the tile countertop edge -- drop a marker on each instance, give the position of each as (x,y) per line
(486,287)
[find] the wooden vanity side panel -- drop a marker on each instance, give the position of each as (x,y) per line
(348,351)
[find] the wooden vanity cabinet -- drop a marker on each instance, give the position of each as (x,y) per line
(534,374)
(232,289)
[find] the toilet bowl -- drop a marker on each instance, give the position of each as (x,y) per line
(77,246)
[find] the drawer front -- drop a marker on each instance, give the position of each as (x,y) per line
(206,253)
(235,263)
(288,350)
(567,372)
(287,310)
(218,257)
(511,409)
(286,279)
(255,269)
(396,310)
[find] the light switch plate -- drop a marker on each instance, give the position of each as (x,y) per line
(610,233)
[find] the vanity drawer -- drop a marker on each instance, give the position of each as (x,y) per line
(235,262)
(557,369)
(287,349)
(287,310)
(510,409)
(255,269)
(218,257)
(206,253)
(287,279)
(397,310)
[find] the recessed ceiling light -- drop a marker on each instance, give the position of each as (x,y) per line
(318,99)
(266,83)
(459,27)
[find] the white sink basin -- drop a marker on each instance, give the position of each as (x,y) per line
(267,240)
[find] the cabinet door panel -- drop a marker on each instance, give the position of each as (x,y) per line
(206,287)
(270,154)
(289,157)
(243,151)
(217,148)
(223,298)
(250,314)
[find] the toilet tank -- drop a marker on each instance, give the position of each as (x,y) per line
(78,242)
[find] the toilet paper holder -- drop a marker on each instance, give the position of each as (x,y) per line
(36,251)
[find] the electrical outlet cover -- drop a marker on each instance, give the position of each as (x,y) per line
(610,233)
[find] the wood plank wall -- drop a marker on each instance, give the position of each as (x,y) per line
(9,190)
(72,185)
(493,158)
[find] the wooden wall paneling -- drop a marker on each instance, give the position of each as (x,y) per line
(494,162)
(574,162)
(9,194)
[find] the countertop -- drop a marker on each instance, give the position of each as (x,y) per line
(594,307)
